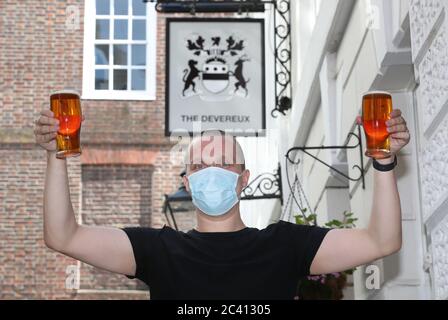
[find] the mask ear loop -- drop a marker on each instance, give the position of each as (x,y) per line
(240,175)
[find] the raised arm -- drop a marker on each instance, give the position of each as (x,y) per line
(343,249)
(106,248)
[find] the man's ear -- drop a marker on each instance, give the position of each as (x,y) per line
(186,183)
(245,178)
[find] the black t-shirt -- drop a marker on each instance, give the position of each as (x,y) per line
(245,264)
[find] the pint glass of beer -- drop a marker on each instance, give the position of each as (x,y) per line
(66,107)
(376,108)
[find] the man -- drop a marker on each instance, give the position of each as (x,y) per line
(221,258)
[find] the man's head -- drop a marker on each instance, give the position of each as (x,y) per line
(215,148)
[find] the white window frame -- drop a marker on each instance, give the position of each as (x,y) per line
(88,79)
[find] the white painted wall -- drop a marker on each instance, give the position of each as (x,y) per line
(261,157)
(335,62)
(369,59)
(337,56)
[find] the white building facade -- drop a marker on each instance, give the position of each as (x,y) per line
(341,49)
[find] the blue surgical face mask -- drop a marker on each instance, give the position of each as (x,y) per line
(213,190)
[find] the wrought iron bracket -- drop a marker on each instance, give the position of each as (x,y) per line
(358,145)
(265,186)
(283,49)
(282,35)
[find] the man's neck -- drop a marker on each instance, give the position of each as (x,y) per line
(228,222)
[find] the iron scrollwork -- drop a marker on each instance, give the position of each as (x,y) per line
(264,186)
(282,43)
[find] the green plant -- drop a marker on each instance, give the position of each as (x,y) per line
(326,286)
(346,223)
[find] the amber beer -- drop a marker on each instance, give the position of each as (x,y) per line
(66,106)
(376,108)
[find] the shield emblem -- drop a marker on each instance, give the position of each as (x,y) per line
(215,76)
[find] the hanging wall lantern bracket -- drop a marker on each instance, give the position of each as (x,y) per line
(346,146)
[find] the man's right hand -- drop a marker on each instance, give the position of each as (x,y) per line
(45,130)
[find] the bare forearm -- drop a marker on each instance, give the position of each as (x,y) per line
(59,219)
(385,220)
(343,249)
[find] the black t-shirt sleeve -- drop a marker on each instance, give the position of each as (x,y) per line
(144,243)
(307,240)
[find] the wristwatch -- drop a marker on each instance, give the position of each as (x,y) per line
(385,167)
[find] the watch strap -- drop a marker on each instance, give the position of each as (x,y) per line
(385,167)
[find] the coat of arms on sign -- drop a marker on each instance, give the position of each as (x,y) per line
(215,75)
(215,69)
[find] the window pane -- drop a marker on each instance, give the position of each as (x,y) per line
(120,79)
(102,6)
(121,29)
(120,54)
(101,79)
(102,29)
(138,80)
(138,8)
(138,55)
(121,7)
(102,54)
(138,29)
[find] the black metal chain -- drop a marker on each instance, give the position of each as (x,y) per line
(291,189)
(300,192)
(288,202)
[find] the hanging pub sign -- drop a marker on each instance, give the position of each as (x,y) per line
(215,75)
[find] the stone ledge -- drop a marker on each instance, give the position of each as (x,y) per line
(123,156)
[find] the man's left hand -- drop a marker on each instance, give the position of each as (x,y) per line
(398,130)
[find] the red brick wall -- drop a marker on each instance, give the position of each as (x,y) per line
(38,54)
(114,195)
(27,268)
